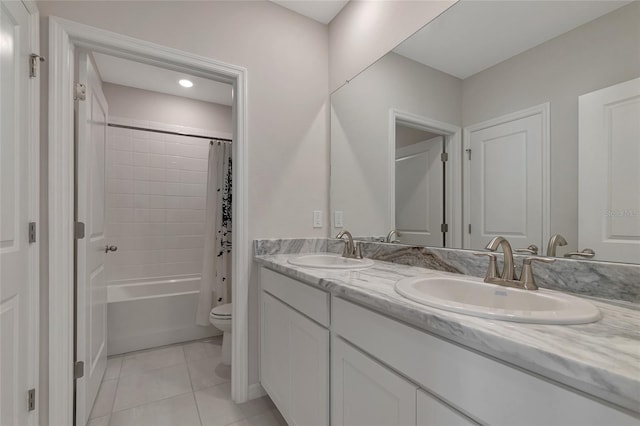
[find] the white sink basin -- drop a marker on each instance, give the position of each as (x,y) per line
(472,296)
(330,261)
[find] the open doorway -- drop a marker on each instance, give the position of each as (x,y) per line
(152,154)
(69,38)
(425,180)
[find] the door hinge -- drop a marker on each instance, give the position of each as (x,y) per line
(34,61)
(32,232)
(78,370)
(444,157)
(444,227)
(468,151)
(31,399)
(469,228)
(78,231)
(79,92)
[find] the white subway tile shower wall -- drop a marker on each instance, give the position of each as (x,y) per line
(156,188)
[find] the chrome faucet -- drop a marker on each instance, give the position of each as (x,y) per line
(555,241)
(351,250)
(508,278)
(391,234)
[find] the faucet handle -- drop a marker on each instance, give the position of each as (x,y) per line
(532,249)
(526,277)
(492,270)
(585,254)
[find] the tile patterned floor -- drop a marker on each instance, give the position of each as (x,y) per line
(181,385)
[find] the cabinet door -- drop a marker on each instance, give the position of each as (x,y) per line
(432,412)
(365,393)
(294,363)
(274,351)
(309,366)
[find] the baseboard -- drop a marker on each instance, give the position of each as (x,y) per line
(256,391)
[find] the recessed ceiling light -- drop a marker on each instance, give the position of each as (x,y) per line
(185,83)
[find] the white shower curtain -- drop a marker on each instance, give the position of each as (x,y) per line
(216,265)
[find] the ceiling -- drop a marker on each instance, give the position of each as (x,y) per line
(148,77)
(474,35)
(322,11)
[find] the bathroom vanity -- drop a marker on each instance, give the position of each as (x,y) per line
(341,347)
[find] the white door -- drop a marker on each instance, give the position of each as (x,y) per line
(365,393)
(420,192)
(506,182)
(18,206)
(91,296)
(609,172)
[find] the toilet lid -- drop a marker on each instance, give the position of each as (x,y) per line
(222,310)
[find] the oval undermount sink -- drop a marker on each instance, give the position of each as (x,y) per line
(330,261)
(472,296)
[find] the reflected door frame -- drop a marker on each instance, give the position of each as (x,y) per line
(453,174)
(544,111)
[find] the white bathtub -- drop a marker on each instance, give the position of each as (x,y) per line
(143,314)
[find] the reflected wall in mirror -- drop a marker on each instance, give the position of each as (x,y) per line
(519,119)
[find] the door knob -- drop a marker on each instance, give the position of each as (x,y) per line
(109,248)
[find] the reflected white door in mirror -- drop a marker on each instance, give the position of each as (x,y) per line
(420,192)
(507,171)
(609,172)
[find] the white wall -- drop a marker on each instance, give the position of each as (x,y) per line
(360,133)
(598,54)
(145,105)
(286,56)
(364,31)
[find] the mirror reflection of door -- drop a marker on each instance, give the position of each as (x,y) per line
(506,167)
(419,187)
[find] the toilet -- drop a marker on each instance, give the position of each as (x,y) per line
(220,317)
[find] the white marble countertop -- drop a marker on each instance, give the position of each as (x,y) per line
(601,358)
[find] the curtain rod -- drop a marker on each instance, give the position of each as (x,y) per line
(167,132)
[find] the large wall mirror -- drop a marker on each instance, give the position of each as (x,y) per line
(513,118)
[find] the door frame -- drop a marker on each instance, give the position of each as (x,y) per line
(453,184)
(64,36)
(544,111)
(32,139)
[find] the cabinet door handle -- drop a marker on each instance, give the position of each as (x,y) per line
(109,248)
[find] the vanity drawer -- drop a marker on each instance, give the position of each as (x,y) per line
(310,301)
(484,389)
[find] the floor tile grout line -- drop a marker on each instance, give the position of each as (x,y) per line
(193,391)
(148,371)
(182,344)
(155,369)
(113,403)
(151,402)
(120,376)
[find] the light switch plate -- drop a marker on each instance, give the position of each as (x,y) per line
(338,219)
(317,219)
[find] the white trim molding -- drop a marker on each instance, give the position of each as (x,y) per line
(33,141)
(64,36)
(544,111)
(453,185)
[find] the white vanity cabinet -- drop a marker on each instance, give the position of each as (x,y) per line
(486,390)
(385,372)
(431,412)
(294,350)
(364,392)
